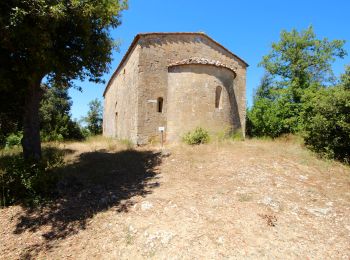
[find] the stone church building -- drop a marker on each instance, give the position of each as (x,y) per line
(175,82)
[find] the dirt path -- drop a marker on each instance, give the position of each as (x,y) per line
(252,199)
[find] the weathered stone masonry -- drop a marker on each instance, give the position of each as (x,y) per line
(175,80)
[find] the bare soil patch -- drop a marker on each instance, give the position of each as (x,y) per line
(251,199)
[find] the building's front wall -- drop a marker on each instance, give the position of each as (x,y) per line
(156,53)
(121,99)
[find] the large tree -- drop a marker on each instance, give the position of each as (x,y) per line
(300,60)
(297,63)
(53,41)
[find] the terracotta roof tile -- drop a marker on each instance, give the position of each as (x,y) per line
(204,61)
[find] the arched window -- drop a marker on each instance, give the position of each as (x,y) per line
(160,105)
(218,97)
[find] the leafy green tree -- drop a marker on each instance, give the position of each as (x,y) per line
(345,78)
(326,122)
(265,89)
(298,63)
(271,114)
(94,117)
(53,41)
(55,118)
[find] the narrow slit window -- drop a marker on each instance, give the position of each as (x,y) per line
(160,105)
(218,97)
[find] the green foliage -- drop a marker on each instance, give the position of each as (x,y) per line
(345,78)
(11,114)
(299,94)
(14,139)
(94,117)
(55,42)
(2,140)
(29,182)
(63,40)
(55,118)
(272,113)
(198,136)
(298,63)
(272,118)
(85,132)
(326,122)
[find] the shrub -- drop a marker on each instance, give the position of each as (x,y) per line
(14,139)
(198,136)
(326,122)
(30,182)
(272,118)
(85,133)
(70,131)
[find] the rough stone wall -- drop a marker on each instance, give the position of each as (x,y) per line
(121,98)
(192,94)
(156,52)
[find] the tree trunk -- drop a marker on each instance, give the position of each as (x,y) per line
(31,130)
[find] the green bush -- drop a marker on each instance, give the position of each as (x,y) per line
(14,139)
(326,122)
(272,118)
(51,137)
(198,136)
(29,182)
(85,133)
(69,130)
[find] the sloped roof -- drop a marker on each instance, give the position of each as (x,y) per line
(138,36)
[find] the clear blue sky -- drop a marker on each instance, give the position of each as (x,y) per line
(247,28)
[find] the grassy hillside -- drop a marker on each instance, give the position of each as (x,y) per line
(253,198)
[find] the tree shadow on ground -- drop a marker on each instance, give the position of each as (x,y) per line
(96,182)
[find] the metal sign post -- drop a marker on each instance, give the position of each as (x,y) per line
(161,130)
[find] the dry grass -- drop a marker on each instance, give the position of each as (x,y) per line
(228,199)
